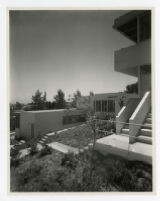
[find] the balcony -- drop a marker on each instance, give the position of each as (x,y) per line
(128,59)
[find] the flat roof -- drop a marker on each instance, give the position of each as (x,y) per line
(108,94)
(123,19)
(57,110)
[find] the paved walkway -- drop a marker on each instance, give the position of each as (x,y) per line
(54,145)
(63,148)
(119,145)
(24,152)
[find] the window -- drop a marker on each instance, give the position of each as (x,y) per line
(111,106)
(105,105)
(98,106)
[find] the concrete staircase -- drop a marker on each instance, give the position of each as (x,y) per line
(145,133)
(125,129)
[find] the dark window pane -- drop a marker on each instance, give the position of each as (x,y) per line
(103,106)
(111,106)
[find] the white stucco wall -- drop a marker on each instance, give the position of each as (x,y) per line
(125,113)
(128,59)
(26,119)
(45,121)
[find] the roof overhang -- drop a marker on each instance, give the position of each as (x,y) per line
(127,23)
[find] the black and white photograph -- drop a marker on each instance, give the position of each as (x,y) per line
(80,100)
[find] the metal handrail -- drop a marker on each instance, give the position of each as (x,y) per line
(113,121)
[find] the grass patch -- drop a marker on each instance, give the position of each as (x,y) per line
(78,137)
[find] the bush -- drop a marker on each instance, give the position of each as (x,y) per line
(14,162)
(69,160)
(26,175)
(18,138)
(34,149)
(14,152)
(45,151)
(86,172)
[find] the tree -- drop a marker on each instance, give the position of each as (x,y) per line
(50,105)
(18,106)
(60,102)
(75,97)
(91,93)
(132,88)
(39,100)
(45,97)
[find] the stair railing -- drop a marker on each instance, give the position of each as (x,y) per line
(139,116)
(125,113)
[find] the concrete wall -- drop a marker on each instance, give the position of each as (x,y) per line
(125,113)
(128,59)
(45,121)
(26,119)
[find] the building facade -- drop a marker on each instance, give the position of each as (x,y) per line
(33,124)
(136,61)
(106,104)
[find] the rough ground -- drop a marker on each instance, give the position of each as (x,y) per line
(84,172)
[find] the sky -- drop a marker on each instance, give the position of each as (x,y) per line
(68,50)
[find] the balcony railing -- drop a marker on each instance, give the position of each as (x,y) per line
(127,59)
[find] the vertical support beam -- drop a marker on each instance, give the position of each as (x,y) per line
(139,80)
(138,29)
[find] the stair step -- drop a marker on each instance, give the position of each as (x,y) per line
(125,134)
(148,120)
(144,139)
(147,126)
(149,115)
(125,130)
(126,126)
(146,132)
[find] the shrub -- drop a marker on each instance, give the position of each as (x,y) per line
(14,152)
(69,160)
(29,173)
(45,151)
(86,172)
(34,149)
(14,162)
(31,143)
(18,138)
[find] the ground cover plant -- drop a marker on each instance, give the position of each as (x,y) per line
(86,172)
(78,137)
